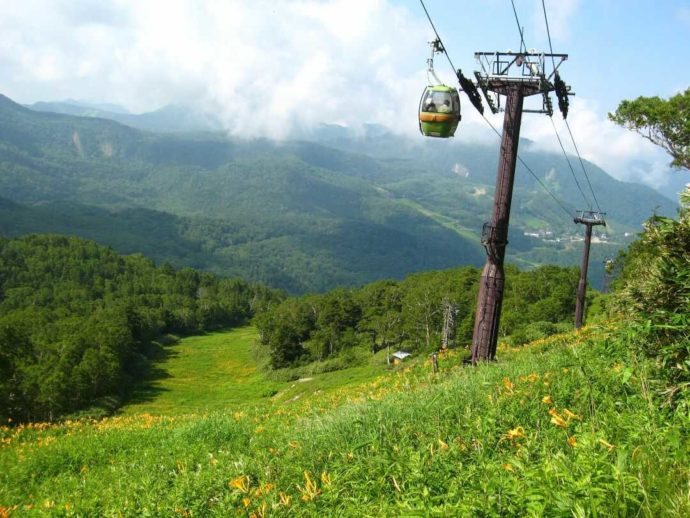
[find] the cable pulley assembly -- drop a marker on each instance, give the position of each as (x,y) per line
(471,91)
(562,94)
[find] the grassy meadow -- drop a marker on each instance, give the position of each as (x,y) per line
(566,426)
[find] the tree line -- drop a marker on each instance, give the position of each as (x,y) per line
(80,323)
(411,313)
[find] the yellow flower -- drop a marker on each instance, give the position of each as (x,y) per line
(310,489)
(570,415)
(508,467)
(325,478)
(572,441)
(515,433)
(559,421)
(443,445)
(547,400)
(246,501)
(285,500)
(509,385)
(241,483)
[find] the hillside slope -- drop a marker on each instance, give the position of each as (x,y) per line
(561,427)
(299,215)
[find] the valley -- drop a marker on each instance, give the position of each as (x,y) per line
(302,216)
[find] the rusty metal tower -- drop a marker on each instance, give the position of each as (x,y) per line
(513,75)
(590,219)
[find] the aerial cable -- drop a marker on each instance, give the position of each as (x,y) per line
(466,85)
(560,142)
(443,48)
(562,94)
(568,212)
(523,47)
(548,34)
(582,164)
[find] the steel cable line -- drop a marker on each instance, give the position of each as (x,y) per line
(548,33)
(560,142)
(437,36)
(558,137)
(529,169)
(568,213)
(572,138)
(596,202)
(522,37)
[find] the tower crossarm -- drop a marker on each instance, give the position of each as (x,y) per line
(533,70)
(590,217)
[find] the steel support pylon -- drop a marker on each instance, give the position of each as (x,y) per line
(495,238)
(589,219)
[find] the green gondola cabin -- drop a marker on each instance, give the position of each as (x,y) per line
(439,111)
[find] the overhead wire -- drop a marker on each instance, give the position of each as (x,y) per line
(570,166)
(572,138)
(568,212)
(437,35)
(548,34)
(529,169)
(520,30)
(582,164)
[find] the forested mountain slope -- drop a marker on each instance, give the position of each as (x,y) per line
(299,215)
(80,323)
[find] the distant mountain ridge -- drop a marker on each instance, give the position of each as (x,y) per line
(168,119)
(302,215)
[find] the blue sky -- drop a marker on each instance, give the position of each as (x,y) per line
(268,66)
(618,49)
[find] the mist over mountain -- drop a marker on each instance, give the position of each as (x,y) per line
(333,207)
(168,119)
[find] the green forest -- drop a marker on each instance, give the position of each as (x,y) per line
(410,315)
(80,323)
(300,216)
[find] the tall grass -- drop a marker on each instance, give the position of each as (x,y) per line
(563,427)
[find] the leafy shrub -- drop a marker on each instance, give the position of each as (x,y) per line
(654,292)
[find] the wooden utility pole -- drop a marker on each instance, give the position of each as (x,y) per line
(589,219)
(531,79)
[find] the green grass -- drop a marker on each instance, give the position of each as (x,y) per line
(217,372)
(214,372)
(566,426)
(444,221)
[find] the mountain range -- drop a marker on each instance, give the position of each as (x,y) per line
(337,208)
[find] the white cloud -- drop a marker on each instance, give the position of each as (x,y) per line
(264,65)
(269,66)
(622,153)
